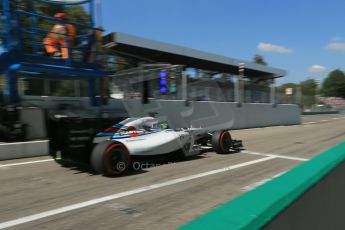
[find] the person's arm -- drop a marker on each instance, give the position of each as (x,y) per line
(58,31)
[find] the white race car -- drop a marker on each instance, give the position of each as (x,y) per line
(116,146)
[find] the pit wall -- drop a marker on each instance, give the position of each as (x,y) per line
(214,115)
(310,196)
(217,115)
(9,151)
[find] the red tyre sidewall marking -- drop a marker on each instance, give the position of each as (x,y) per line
(105,157)
(222,135)
(221,141)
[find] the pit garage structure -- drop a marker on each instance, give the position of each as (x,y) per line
(159,52)
(212,90)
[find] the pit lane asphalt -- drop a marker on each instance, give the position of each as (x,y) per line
(30,189)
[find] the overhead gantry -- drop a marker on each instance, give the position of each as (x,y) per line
(24,30)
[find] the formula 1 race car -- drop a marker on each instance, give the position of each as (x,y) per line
(136,137)
(116,148)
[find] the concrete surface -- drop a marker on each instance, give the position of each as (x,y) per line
(35,121)
(15,150)
(39,195)
(217,115)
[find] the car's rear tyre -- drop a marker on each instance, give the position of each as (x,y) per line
(221,142)
(110,158)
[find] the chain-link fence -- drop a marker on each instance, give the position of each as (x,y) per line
(210,90)
(256,92)
(165,82)
(158,81)
(311,103)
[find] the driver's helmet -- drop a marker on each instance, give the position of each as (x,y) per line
(149,123)
(146,123)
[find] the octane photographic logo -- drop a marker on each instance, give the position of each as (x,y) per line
(139,166)
(209,100)
(120,166)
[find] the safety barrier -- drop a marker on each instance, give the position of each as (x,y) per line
(310,196)
(9,151)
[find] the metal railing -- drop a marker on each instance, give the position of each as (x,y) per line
(86,49)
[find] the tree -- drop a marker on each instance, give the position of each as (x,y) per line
(225,77)
(283,87)
(309,87)
(285,98)
(205,75)
(75,13)
(334,84)
(258,59)
(309,90)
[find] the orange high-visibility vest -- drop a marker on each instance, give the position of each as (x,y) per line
(60,31)
(71,33)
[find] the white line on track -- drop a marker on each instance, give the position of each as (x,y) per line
(309,123)
(57,211)
(256,184)
(315,122)
(25,163)
(275,155)
(261,182)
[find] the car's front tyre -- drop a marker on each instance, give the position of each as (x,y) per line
(221,142)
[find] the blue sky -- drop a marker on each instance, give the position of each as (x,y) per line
(306,38)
